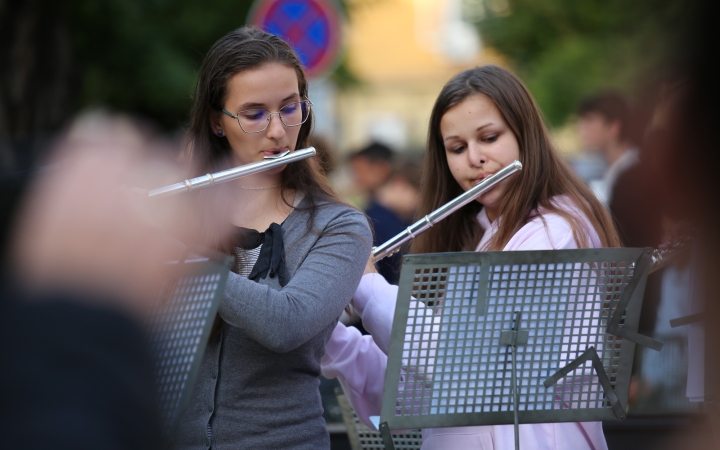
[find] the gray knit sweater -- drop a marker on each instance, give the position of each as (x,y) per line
(258,382)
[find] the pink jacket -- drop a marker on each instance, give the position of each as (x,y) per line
(359,362)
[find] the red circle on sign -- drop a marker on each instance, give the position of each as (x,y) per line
(311,27)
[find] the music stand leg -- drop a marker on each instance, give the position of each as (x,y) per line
(515,398)
(386,436)
(513,338)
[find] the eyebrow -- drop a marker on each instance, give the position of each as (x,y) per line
(249,105)
(476,130)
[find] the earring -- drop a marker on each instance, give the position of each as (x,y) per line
(220,133)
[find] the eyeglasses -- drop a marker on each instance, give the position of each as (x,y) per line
(257,120)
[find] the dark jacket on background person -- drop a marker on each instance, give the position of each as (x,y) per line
(386,224)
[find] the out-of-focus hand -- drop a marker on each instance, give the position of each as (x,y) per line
(81,230)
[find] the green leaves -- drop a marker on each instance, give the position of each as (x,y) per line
(141,56)
(567,49)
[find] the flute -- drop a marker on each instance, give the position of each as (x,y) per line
(394,244)
(223,176)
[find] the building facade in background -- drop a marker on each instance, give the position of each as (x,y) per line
(403,52)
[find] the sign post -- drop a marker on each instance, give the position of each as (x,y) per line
(312,27)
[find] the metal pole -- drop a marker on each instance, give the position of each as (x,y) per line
(516,398)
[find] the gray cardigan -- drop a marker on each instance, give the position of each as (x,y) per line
(258,382)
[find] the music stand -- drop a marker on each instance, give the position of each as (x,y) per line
(362,437)
(513,337)
(180,325)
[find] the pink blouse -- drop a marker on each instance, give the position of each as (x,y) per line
(359,362)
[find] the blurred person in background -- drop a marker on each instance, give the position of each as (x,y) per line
(605,126)
(372,168)
(401,193)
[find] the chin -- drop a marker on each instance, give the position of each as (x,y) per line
(490,201)
(275,170)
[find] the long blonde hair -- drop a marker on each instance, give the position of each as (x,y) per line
(544,175)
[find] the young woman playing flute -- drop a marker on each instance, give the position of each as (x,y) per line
(299,250)
(483,119)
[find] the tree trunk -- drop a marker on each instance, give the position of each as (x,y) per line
(35,78)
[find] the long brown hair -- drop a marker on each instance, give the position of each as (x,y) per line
(544,175)
(243,49)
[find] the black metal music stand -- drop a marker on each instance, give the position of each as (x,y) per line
(514,337)
(180,325)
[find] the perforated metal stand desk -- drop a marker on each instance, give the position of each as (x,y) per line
(179,328)
(514,337)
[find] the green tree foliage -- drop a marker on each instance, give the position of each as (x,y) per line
(142,56)
(567,49)
(134,56)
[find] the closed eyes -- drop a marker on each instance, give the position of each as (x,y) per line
(486,140)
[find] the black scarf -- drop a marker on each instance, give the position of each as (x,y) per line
(271,261)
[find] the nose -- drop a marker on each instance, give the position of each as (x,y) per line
(476,156)
(276,129)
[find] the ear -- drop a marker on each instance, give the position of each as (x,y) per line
(216,122)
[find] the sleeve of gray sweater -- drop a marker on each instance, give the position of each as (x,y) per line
(282,319)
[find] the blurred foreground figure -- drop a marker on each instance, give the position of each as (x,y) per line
(81,266)
(689,164)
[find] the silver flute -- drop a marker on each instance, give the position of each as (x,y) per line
(223,176)
(394,244)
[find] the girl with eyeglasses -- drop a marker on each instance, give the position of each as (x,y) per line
(483,119)
(300,253)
